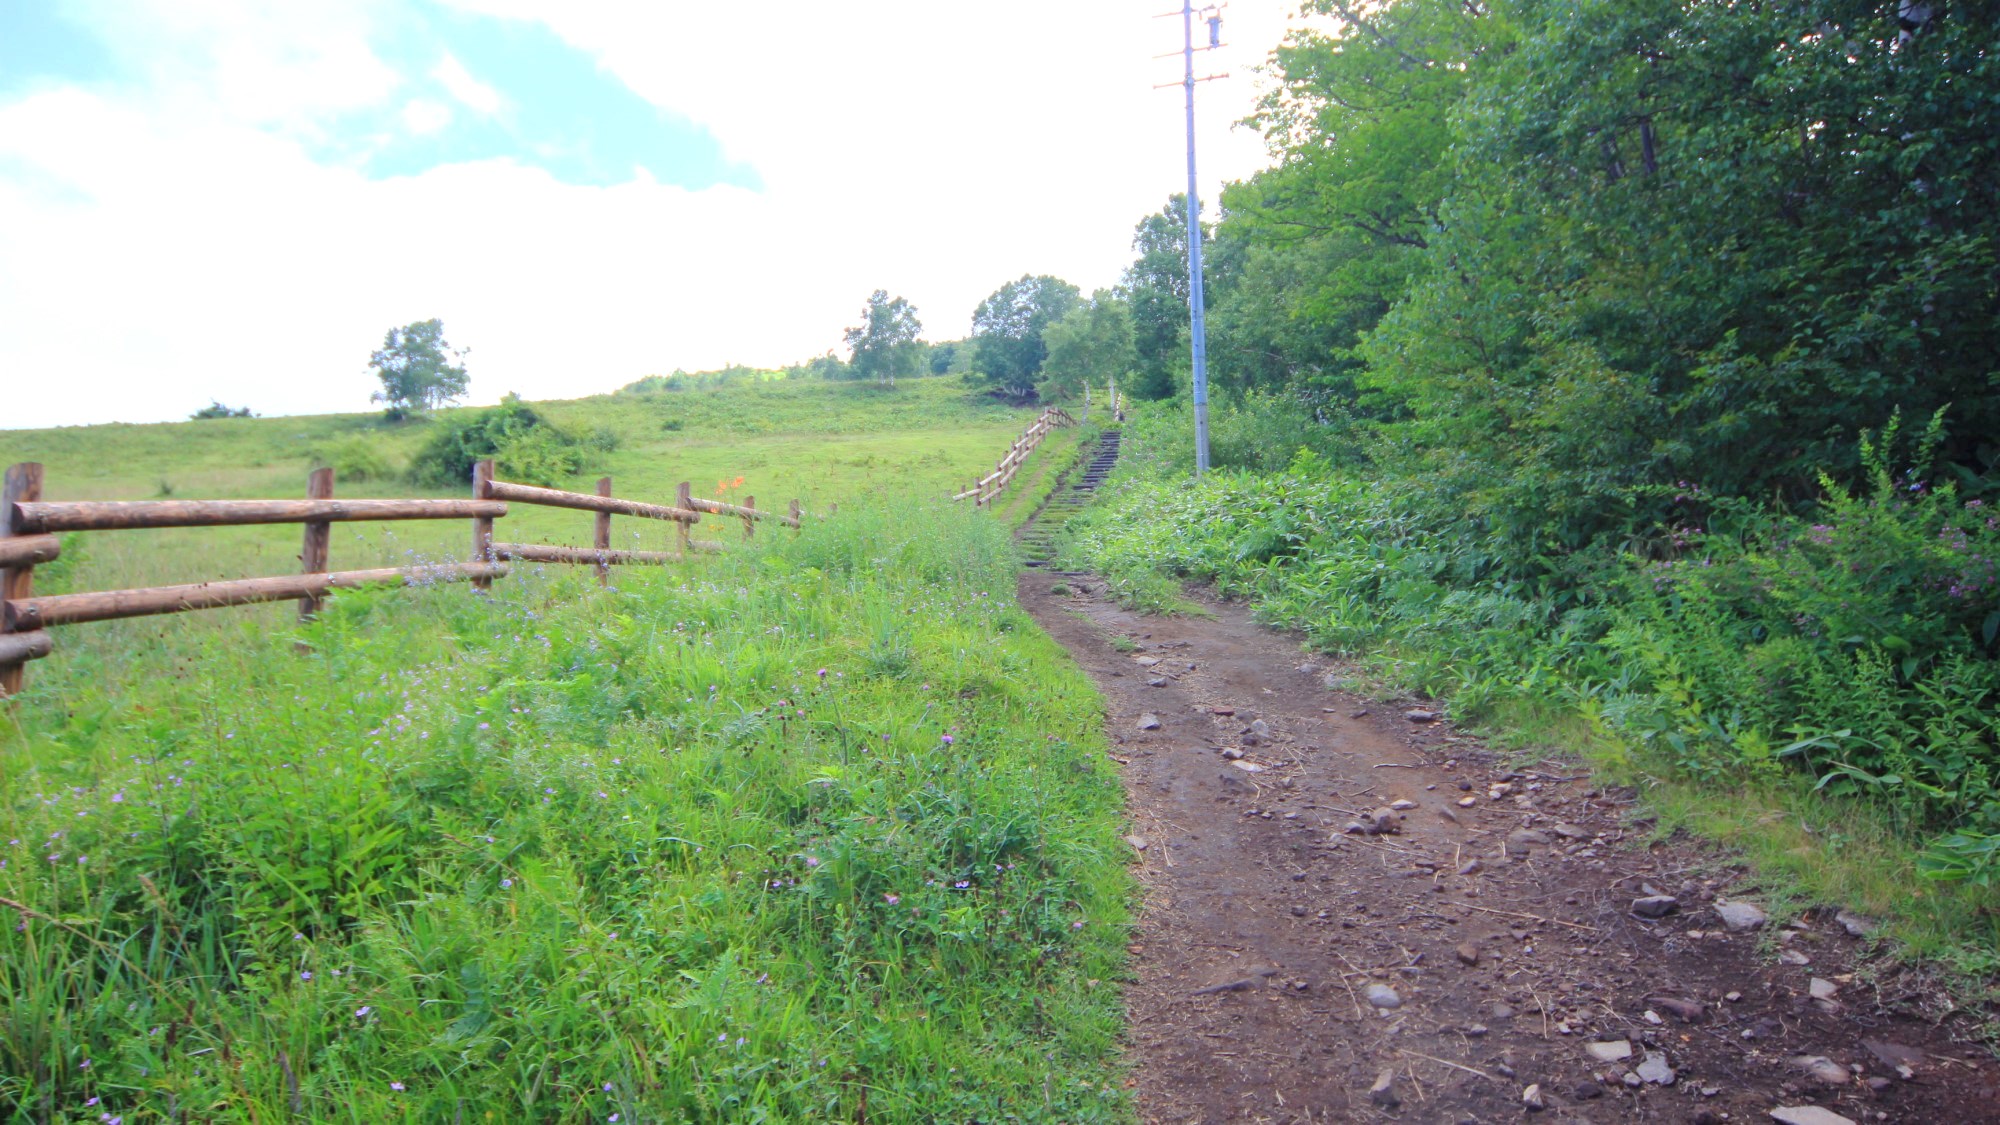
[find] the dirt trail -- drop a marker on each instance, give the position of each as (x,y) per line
(1464,962)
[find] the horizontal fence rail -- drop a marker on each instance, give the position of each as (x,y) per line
(548,553)
(19,648)
(986,488)
(29,550)
(556,498)
(123,515)
(29,527)
(27,614)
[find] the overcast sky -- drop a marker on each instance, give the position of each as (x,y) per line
(234,199)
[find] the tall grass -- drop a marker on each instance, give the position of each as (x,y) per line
(816,830)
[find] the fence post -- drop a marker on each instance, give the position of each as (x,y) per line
(683,499)
(749,522)
(482,526)
(23,486)
(318,538)
(798,514)
(602,541)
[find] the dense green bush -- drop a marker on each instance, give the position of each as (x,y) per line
(522,444)
(1858,641)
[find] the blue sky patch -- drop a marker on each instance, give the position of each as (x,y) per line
(556,108)
(39,45)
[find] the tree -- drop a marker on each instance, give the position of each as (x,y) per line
(419,370)
(215,409)
(885,344)
(1090,344)
(1007,331)
(1156,286)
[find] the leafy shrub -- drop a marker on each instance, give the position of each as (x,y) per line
(522,444)
(355,459)
(215,409)
(1857,642)
(1862,636)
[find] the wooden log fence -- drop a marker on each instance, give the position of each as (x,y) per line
(990,486)
(29,527)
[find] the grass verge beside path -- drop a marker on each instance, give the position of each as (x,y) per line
(807,832)
(1651,676)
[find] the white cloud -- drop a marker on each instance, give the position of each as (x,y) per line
(176,243)
(470,91)
(423,116)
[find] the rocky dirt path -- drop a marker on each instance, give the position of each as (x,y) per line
(1354,913)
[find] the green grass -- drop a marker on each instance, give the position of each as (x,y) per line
(819,829)
(823,443)
(807,832)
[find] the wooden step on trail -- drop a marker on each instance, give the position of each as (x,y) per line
(1073,493)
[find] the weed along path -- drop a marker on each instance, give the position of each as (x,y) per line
(1354,913)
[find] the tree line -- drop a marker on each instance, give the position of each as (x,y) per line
(1550,258)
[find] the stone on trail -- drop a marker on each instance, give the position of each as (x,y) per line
(1531,1099)
(1857,925)
(1655,906)
(1157,681)
(1149,721)
(1793,957)
(1138,843)
(1808,1115)
(1653,1068)
(1468,953)
(1382,996)
(1822,1068)
(1402,805)
(1146,661)
(1688,1010)
(1259,729)
(1383,1092)
(1420,715)
(1231,753)
(1247,767)
(1376,822)
(1522,840)
(1617,1050)
(1823,989)
(1894,1055)
(1741,917)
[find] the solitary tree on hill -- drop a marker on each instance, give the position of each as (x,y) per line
(885,344)
(419,370)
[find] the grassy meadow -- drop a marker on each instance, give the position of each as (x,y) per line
(815,441)
(817,829)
